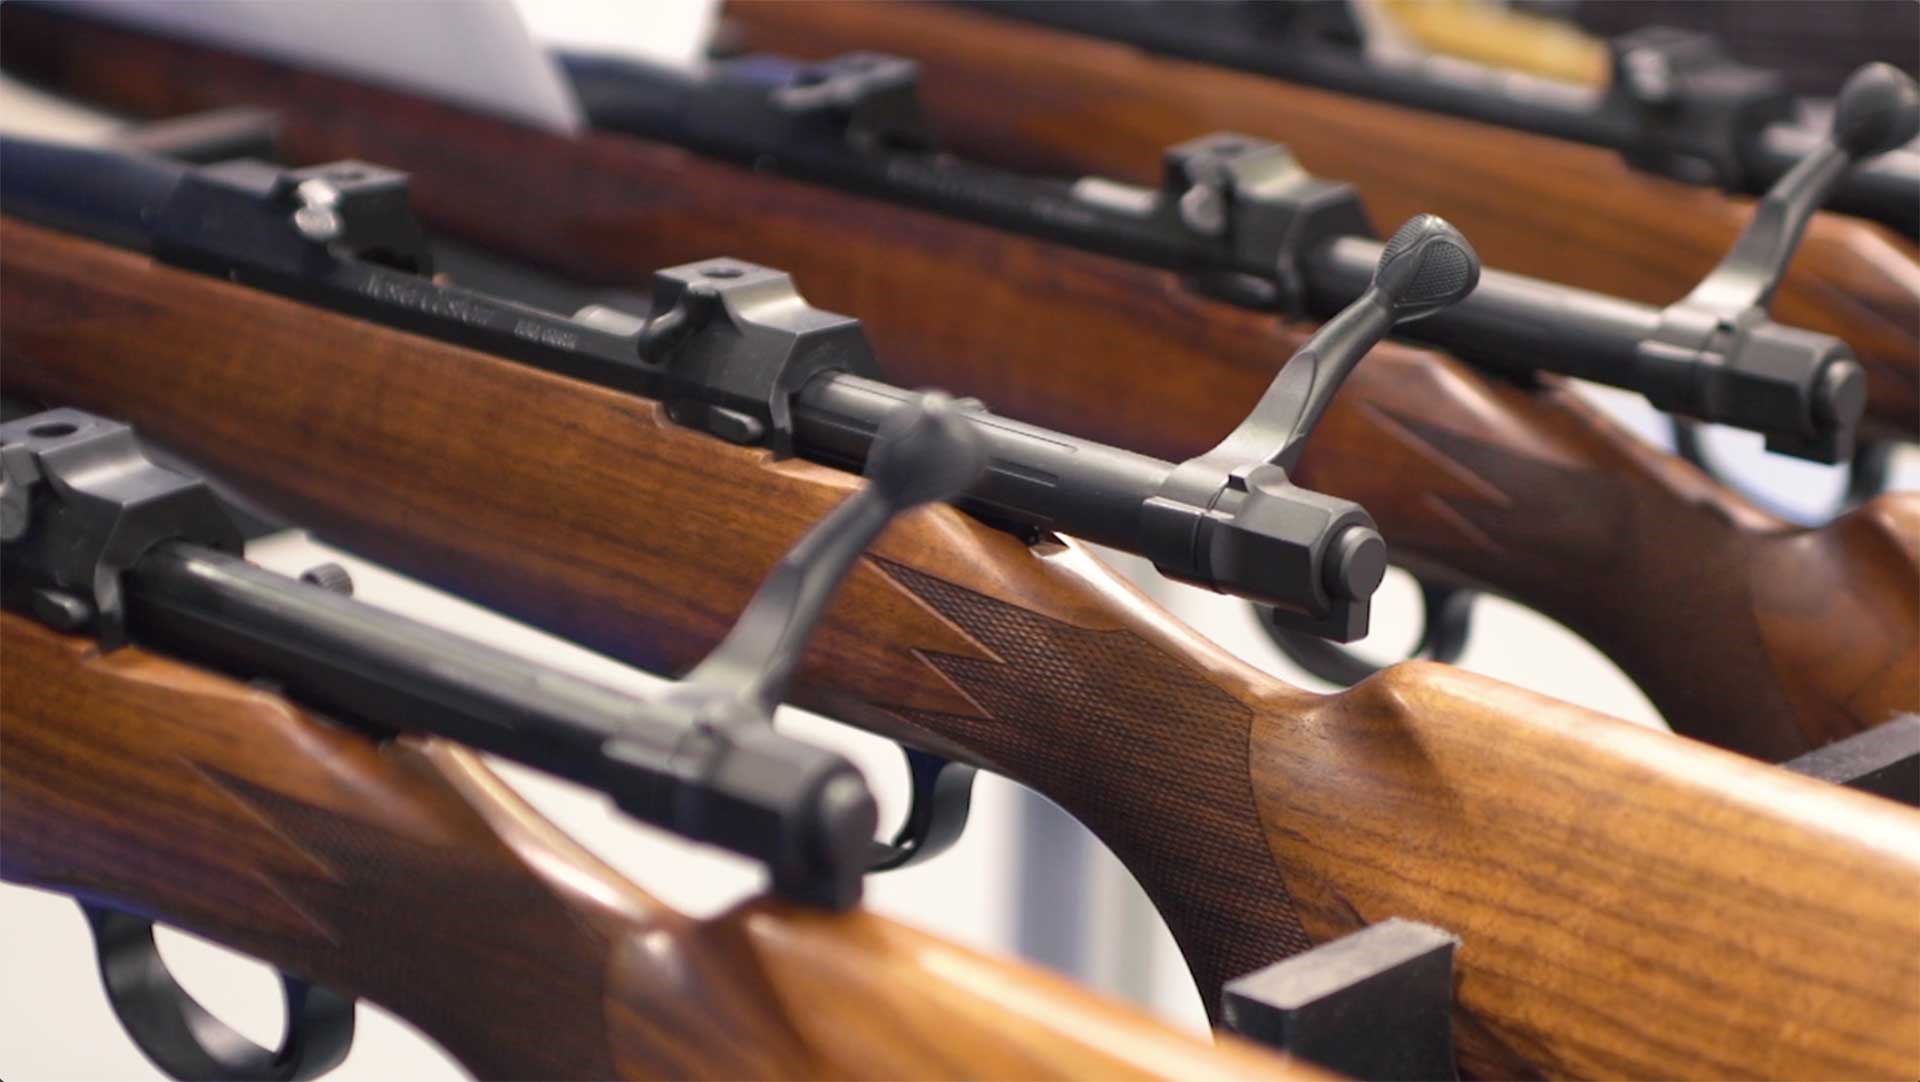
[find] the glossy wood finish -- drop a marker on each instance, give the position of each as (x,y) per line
(1633,903)
(408,874)
(1532,205)
(1519,492)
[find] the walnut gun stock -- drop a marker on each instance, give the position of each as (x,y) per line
(1676,105)
(1521,492)
(1573,852)
(1532,205)
(406,873)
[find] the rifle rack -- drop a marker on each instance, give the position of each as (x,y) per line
(1884,760)
(1333,1004)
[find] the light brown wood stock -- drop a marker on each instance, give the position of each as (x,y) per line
(1524,493)
(1603,875)
(1019,94)
(1490,33)
(406,873)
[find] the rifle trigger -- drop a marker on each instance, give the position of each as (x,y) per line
(937,816)
(1443,638)
(186,1041)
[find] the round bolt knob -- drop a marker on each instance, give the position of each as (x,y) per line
(1426,266)
(925,451)
(1878,110)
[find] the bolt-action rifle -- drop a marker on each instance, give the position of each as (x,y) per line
(342,828)
(1598,873)
(1533,206)
(1518,490)
(1242,219)
(1675,104)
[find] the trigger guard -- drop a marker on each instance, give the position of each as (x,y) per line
(936,817)
(1867,473)
(185,1040)
(1443,638)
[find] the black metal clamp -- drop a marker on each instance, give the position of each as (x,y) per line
(81,504)
(1691,109)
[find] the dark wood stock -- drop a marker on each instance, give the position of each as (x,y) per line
(408,874)
(1532,205)
(1525,493)
(1602,873)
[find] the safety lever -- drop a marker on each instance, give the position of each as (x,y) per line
(1205,511)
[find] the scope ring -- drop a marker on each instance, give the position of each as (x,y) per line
(1443,638)
(1868,472)
(184,1039)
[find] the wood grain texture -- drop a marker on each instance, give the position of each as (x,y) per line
(1532,205)
(1523,493)
(1258,816)
(406,873)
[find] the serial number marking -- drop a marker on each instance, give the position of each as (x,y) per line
(425,297)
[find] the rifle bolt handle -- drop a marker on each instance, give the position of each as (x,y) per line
(1878,109)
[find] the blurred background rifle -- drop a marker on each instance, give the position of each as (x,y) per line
(367,854)
(1532,205)
(1674,104)
(1260,818)
(1810,44)
(1520,490)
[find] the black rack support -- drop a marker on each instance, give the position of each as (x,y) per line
(1376,1004)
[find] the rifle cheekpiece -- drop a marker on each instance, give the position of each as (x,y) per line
(100,539)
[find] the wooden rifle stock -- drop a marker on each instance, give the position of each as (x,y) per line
(406,873)
(1532,205)
(1601,874)
(1774,640)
